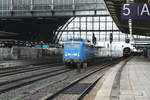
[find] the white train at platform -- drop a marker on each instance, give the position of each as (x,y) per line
(116,49)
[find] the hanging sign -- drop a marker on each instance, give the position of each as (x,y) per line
(135,11)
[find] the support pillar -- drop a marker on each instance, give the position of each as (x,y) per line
(73,29)
(99,28)
(73,5)
(86,29)
(106,28)
(52,6)
(11,6)
(80,26)
(31,7)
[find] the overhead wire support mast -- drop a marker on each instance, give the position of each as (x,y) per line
(130,23)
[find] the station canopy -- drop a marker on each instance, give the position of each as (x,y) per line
(31,29)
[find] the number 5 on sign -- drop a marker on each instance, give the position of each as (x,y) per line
(126,10)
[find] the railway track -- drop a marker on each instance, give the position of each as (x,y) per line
(19,82)
(77,89)
(27,69)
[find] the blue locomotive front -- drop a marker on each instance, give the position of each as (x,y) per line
(77,52)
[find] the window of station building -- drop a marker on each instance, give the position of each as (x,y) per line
(84,1)
(102,19)
(107,34)
(5,4)
(61,2)
(96,19)
(89,19)
(96,26)
(21,4)
(97,36)
(104,12)
(65,36)
(102,26)
(89,26)
(89,36)
(42,1)
(83,19)
(42,4)
(75,26)
(83,26)
(102,37)
(77,35)
(109,26)
(109,19)
(115,37)
(84,35)
(115,27)
(122,38)
(72,35)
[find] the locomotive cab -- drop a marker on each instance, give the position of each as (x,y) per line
(77,52)
(72,51)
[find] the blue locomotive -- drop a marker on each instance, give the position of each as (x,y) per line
(77,51)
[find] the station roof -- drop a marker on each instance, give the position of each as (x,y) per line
(31,29)
(140,27)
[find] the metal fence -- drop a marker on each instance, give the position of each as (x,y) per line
(28,53)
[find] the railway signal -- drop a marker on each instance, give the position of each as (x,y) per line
(111,37)
(94,39)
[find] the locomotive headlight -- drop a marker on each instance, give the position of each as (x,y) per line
(75,54)
(69,54)
(66,54)
(78,54)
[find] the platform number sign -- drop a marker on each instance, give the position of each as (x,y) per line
(135,11)
(126,10)
(111,37)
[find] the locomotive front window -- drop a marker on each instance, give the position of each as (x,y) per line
(77,46)
(68,45)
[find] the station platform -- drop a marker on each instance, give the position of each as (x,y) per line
(27,62)
(128,80)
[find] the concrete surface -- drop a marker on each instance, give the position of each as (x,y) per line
(105,91)
(134,82)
